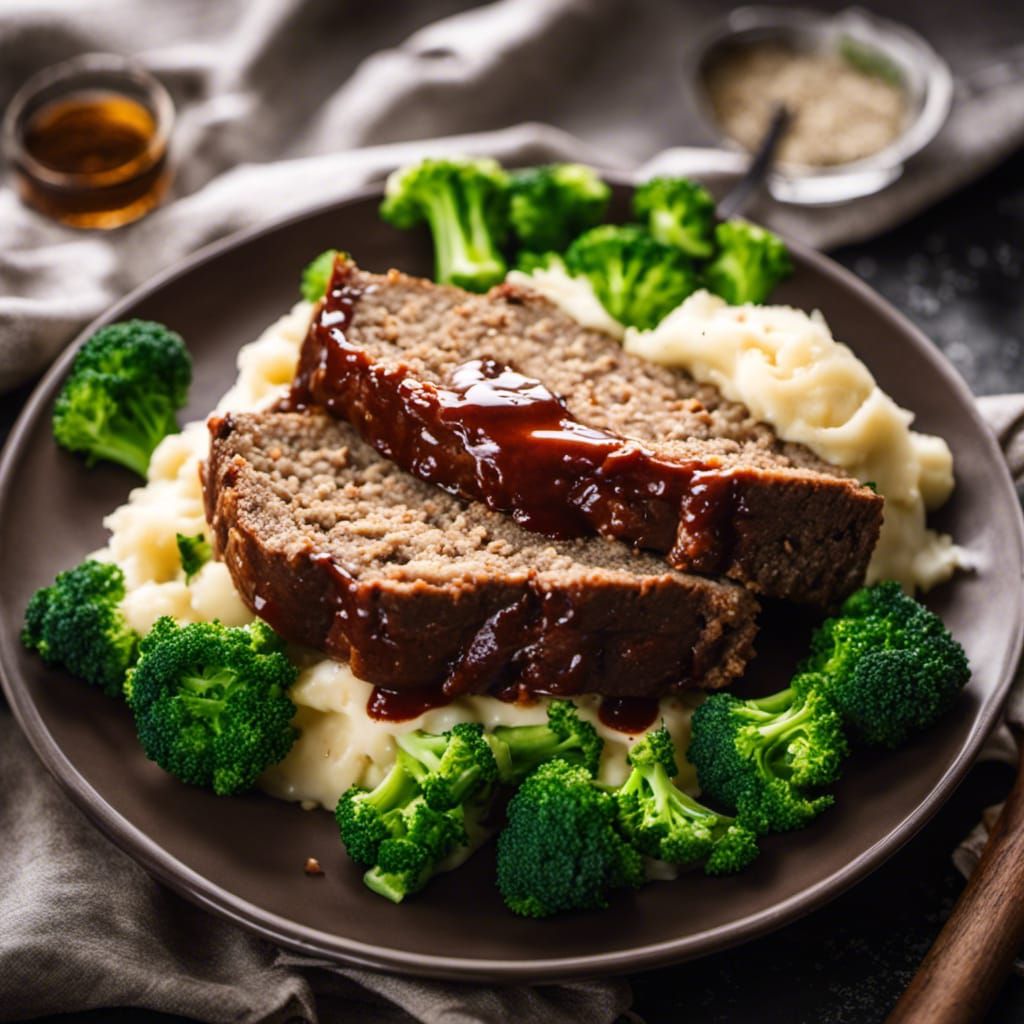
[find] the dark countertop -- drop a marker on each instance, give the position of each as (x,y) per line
(958,272)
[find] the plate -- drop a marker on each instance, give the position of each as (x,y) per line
(243,857)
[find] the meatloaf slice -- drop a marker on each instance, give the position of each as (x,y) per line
(504,399)
(339,549)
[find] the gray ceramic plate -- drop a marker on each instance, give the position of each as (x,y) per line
(243,857)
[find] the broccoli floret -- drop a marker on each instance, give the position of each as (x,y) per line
(564,736)
(637,279)
(317,275)
(210,701)
(561,850)
(450,767)
(666,823)
(465,202)
(418,814)
(549,206)
(123,392)
(748,264)
(194,553)
(77,623)
(887,664)
(677,212)
(528,262)
(767,758)
(364,816)
(409,858)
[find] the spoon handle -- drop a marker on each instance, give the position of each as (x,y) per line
(737,198)
(975,950)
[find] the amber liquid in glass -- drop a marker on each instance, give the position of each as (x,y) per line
(100,149)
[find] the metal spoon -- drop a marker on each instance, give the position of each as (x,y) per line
(739,196)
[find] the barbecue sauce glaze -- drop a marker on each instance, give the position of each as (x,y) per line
(492,434)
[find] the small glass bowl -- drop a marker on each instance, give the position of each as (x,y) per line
(927,82)
(108,195)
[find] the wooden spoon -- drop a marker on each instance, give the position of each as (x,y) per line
(965,968)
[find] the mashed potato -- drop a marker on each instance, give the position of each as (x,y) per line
(339,745)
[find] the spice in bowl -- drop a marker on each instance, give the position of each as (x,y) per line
(846,105)
(88,141)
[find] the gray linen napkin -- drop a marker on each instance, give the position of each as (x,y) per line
(279,106)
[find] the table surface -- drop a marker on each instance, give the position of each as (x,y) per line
(958,272)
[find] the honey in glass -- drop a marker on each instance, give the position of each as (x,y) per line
(88,142)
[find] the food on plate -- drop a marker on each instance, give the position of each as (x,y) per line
(211,701)
(887,664)
(569,840)
(544,221)
(561,849)
(415,563)
(677,212)
(882,670)
(194,552)
(123,393)
(638,280)
(580,437)
(317,273)
(341,551)
(667,824)
(77,623)
(465,202)
(435,803)
(748,263)
(768,758)
(550,205)
(847,105)
(786,368)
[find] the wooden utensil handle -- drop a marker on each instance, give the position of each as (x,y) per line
(972,956)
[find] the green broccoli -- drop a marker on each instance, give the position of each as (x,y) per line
(768,758)
(210,701)
(401,832)
(194,553)
(637,279)
(364,815)
(450,767)
(549,206)
(886,663)
(561,849)
(663,822)
(748,264)
(423,837)
(317,275)
(677,212)
(528,262)
(564,736)
(465,202)
(77,623)
(122,395)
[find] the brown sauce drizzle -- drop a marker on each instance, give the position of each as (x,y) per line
(402,705)
(494,435)
(628,714)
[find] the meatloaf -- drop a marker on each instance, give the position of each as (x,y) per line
(506,400)
(339,549)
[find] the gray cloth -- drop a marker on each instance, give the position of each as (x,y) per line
(279,106)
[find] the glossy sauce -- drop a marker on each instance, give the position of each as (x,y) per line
(495,435)
(628,714)
(402,705)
